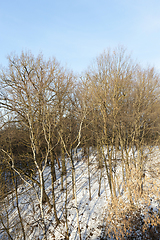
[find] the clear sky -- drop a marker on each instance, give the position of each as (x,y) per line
(77,31)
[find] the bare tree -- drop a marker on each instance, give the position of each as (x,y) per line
(30,85)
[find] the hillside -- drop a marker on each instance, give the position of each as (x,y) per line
(97,217)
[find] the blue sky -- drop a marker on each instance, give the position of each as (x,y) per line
(77,31)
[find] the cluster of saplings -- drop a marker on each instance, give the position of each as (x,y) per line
(48,112)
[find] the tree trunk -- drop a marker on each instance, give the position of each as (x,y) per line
(100,168)
(89,175)
(108,175)
(66,212)
(53,193)
(75,194)
(53,172)
(14,181)
(41,204)
(63,170)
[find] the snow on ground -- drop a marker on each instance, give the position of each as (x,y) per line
(91,213)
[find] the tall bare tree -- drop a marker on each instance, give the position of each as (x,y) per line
(30,86)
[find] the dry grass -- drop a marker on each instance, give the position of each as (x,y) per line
(140,219)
